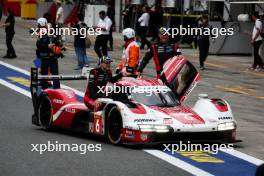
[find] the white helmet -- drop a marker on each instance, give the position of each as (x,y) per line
(128,33)
(42,22)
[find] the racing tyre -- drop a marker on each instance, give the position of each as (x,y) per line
(45,112)
(114,126)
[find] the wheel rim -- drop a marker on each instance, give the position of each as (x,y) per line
(114,126)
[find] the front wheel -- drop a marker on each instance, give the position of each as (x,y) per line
(45,112)
(114,126)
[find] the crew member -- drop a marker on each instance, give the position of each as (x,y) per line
(10,32)
(160,51)
(111,14)
(130,59)
(100,46)
(256,42)
(59,14)
(98,78)
(203,41)
(49,63)
(143,27)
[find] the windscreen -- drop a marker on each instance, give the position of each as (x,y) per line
(163,99)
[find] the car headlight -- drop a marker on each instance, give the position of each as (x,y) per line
(226,126)
(154,128)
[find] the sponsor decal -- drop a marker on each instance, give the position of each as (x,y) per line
(58,101)
(167,121)
(91,125)
(129,134)
(225,118)
(70,110)
(144,120)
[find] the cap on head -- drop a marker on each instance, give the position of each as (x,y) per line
(129,33)
(163,30)
(42,22)
(106,60)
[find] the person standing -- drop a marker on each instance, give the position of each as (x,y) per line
(59,14)
(160,51)
(203,41)
(111,14)
(104,24)
(143,27)
(10,32)
(256,40)
(49,63)
(130,58)
(98,78)
(79,43)
(156,21)
(127,15)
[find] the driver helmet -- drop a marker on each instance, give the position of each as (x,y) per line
(42,22)
(128,33)
(106,60)
(163,30)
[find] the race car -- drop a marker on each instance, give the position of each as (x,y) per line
(150,112)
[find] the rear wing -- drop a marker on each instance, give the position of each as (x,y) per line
(36,80)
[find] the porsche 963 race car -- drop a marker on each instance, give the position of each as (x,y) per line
(151,112)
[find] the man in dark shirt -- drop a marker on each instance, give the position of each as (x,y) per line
(111,14)
(156,21)
(79,43)
(49,63)
(203,41)
(161,52)
(127,16)
(98,78)
(10,32)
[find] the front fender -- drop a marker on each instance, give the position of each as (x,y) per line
(214,110)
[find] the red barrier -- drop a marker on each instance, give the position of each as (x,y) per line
(15,7)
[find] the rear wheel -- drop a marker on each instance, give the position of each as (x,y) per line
(45,112)
(114,126)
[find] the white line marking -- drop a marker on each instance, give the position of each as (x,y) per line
(15,88)
(157,153)
(14,68)
(27,73)
(245,157)
(178,163)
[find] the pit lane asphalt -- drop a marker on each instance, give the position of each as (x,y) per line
(16,158)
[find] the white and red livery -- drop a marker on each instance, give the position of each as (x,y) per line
(151,112)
